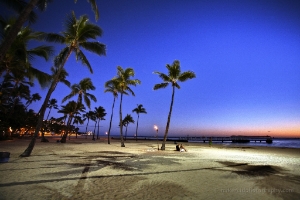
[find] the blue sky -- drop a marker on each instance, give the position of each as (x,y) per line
(245,55)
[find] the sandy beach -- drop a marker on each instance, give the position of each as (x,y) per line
(86,169)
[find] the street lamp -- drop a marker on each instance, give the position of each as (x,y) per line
(156,128)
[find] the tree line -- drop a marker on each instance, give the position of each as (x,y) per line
(79,35)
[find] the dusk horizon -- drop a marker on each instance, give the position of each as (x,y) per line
(245,55)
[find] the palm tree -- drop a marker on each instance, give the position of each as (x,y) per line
(123,82)
(25,13)
(173,77)
(77,35)
(100,114)
(17,60)
(71,109)
(126,121)
(139,109)
(81,90)
(78,120)
(88,115)
(112,87)
(34,97)
(52,103)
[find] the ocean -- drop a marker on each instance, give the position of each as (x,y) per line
(277,142)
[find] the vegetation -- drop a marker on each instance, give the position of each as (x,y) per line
(126,121)
(173,77)
(139,109)
(112,87)
(123,82)
(77,34)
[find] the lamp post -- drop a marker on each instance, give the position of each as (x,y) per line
(156,128)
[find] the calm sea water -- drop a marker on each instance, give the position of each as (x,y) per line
(282,143)
(277,142)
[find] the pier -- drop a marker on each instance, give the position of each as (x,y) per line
(234,139)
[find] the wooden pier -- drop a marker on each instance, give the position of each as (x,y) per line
(234,139)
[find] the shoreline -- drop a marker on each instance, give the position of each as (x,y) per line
(82,169)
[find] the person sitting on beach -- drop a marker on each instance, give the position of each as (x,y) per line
(177,147)
(182,149)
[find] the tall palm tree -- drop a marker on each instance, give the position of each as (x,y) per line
(77,35)
(139,109)
(100,114)
(126,121)
(25,12)
(81,90)
(88,115)
(173,77)
(112,87)
(123,82)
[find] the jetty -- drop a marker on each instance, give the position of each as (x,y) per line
(233,139)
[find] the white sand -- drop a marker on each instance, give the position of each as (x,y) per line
(86,169)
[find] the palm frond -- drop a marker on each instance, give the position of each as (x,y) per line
(53,37)
(160,86)
(186,75)
(80,56)
(42,51)
(43,78)
(42,4)
(60,58)
(95,47)
(94,8)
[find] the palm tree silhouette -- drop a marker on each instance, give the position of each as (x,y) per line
(123,82)
(139,109)
(76,36)
(126,121)
(26,13)
(112,87)
(174,76)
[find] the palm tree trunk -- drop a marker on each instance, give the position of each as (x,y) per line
(98,130)
(111,116)
(30,147)
(137,125)
(65,135)
(54,83)
(169,119)
(86,128)
(16,28)
(126,133)
(94,131)
(121,125)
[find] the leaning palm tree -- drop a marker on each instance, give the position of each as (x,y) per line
(81,90)
(100,114)
(123,82)
(139,109)
(25,12)
(173,77)
(112,87)
(126,121)
(76,36)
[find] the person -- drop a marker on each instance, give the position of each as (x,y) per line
(177,147)
(182,149)
(210,142)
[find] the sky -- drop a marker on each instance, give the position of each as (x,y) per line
(245,54)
